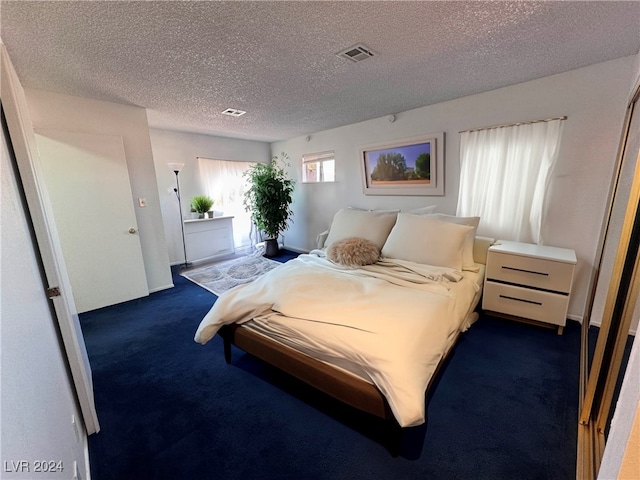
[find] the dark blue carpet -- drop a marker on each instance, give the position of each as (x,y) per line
(504,406)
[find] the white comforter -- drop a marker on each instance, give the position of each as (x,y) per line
(391,322)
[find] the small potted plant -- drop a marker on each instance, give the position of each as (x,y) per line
(201,204)
(268,199)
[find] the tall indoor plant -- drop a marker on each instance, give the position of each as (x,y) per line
(268,199)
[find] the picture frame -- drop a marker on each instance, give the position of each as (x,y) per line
(410,166)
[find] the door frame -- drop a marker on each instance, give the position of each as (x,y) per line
(58,290)
(598,378)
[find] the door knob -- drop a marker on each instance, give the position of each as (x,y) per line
(132,230)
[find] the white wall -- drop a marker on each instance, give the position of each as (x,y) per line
(171,146)
(622,194)
(37,399)
(75,114)
(593,98)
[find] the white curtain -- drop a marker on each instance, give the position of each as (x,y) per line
(504,174)
(222,180)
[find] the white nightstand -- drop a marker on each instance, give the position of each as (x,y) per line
(529,282)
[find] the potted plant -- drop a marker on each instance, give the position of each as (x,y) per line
(268,199)
(201,204)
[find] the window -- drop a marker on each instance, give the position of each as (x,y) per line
(318,167)
(504,173)
(223,181)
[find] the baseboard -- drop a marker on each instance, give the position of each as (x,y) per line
(295,249)
(576,318)
(580,319)
(164,287)
(599,324)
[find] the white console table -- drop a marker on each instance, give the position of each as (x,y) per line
(208,238)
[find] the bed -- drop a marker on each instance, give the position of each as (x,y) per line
(371,335)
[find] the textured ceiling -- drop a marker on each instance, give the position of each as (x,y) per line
(188,61)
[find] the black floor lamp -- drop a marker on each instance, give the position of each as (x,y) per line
(176,167)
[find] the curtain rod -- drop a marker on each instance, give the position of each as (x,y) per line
(514,124)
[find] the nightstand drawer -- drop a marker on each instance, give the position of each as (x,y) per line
(523,302)
(531,272)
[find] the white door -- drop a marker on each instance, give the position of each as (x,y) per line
(87,180)
(14,106)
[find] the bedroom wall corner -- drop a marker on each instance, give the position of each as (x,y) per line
(592,97)
(181,147)
(621,458)
(611,245)
(75,114)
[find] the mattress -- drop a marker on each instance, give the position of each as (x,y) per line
(390,323)
(262,326)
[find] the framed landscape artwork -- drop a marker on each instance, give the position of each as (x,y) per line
(412,166)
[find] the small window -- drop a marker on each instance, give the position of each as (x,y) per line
(319,167)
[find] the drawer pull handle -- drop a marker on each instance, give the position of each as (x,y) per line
(521,300)
(526,271)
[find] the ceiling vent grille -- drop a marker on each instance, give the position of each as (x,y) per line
(357,53)
(233,112)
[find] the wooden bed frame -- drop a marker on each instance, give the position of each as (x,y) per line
(334,382)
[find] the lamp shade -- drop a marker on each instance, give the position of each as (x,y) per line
(176,167)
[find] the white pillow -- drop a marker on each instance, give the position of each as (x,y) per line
(373,226)
(423,210)
(426,239)
(468,262)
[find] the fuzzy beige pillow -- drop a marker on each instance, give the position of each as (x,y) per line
(353,252)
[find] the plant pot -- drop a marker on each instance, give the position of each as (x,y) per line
(271,248)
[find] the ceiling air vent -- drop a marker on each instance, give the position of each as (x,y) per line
(357,53)
(233,112)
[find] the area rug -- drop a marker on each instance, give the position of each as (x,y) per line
(220,277)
